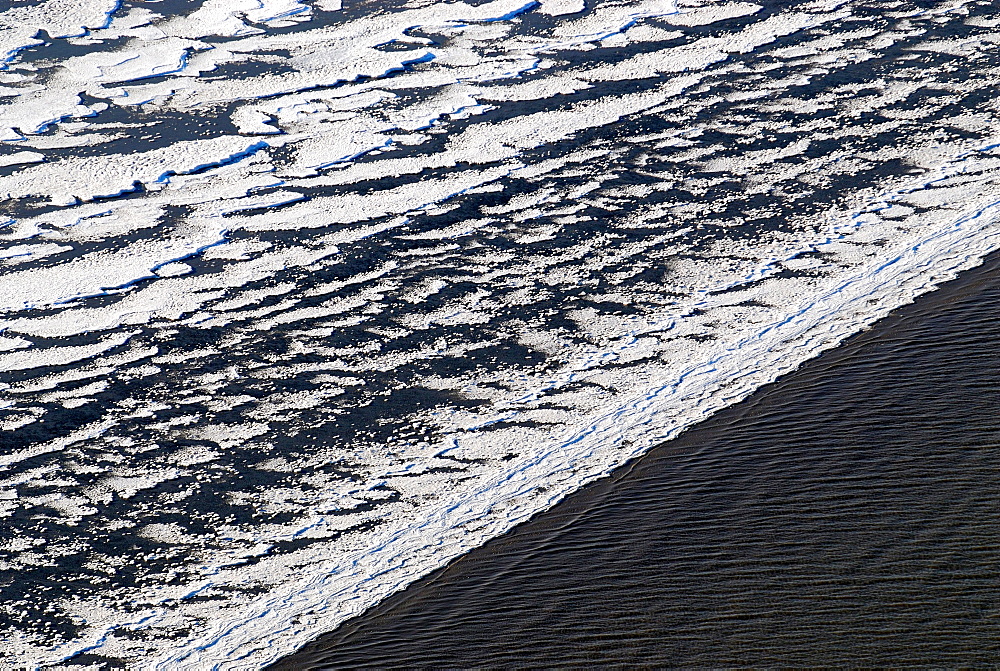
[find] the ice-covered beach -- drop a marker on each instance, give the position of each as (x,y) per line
(302,300)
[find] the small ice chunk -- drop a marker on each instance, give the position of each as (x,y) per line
(19,253)
(703,16)
(174,269)
(21,158)
(277,13)
(561,7)
(896,212)
(7,344)
(250,121)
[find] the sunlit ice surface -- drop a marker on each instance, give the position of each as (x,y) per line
(301,300)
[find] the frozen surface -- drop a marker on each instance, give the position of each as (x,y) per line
(301,300)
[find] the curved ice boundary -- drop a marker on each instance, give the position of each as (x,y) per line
(561,231)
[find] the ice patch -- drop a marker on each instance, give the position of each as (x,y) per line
(85,179)
(713,13)
(21,158)
(562,7)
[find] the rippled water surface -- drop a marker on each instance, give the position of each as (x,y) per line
(844,516)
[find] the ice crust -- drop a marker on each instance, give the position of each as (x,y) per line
(272,217)
(58,18)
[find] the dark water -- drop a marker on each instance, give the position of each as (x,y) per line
(846,515)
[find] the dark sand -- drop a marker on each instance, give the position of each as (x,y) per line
(848,514)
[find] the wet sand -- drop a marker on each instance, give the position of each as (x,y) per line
(845,515)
